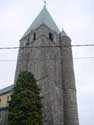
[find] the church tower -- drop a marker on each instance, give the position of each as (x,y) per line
(46,52)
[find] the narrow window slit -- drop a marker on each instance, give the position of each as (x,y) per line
(51,36)
(34,36)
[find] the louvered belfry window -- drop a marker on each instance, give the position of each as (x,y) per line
(51,36)
(34,36)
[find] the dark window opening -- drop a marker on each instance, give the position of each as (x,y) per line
(27,43)
(51,36)
(34,36)
(28,38)
(8,99)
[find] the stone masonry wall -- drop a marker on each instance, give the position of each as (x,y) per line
(54,75)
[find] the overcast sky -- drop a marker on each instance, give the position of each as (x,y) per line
(76,17)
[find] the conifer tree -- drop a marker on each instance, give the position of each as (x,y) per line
(25,106)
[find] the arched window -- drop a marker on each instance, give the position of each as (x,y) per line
(8,98)
(34,36)
(51,36)
(27,40)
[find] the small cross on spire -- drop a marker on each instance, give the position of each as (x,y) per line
(45,3)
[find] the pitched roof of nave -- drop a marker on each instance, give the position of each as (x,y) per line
(6,90)
(44,17)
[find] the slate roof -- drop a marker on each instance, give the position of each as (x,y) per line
(6,90)
(43,18)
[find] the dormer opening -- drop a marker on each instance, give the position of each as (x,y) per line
(34,36)
(51,36)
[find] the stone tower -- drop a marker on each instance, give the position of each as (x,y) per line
(43,52)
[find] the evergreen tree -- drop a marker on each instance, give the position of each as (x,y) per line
(25,106)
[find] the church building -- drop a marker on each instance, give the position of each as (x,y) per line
(46,52)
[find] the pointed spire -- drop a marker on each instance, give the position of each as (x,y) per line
(43,18)
(63,33)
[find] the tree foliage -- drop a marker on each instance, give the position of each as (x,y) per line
(25,106)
